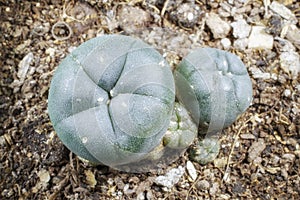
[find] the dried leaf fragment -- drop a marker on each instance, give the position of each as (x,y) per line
(90,178)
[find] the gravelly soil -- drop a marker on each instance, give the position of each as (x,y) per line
(260,154)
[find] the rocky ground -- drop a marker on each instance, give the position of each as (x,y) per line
(260,152)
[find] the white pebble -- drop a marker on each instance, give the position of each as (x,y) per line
(24,66)
(290,62)
(283,11)
(191,170)
(218,27)
(259,39)
(171,178)
(287,92)
(226,43)
(240,28)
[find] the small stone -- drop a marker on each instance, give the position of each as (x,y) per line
(110,181)
(255,150)
(287,92)
(247,136)
(293,35)
(191,170)
(241,44)
(50,51)
(24,66)
(257,73)
(240,28)
(290,62)
(214,189)
(171,178)
(218,27)
(289,157)
(298,87)
(186,15)
(283,11)
(259,39)
(202,185)
(132,19)
(127,190)
(220,162)
(140,196)
(226,43)
(44,176)
(149,195)
(22,46)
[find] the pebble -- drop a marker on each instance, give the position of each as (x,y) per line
(141,196)
(186,15)
(23,69)
(127,190)
(202,185)
(293,35)
(44,176)
(24,66)
(214,189)
(255,150)
(283,11)
(247,136)
(149,195)
(191,170)
(50,51)
(171,178)
(226,43)
(240,28)
(289,58)
(289,157)
(131,19)
(290,62)
(218,27)
(241,44)
(220,162)
(259,39)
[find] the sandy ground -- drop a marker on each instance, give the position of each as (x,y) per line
(260,154)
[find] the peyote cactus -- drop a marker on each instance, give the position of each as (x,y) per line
(111,101)
(214,86)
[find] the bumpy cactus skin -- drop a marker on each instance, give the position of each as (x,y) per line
(214,86)
(111,100)
(182,130)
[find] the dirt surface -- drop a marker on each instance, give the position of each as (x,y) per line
(260,152)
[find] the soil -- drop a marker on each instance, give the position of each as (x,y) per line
(260,152)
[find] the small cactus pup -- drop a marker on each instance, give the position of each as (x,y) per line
(182,130)
(214,86)
(181,133)
(111,100)
(205,150)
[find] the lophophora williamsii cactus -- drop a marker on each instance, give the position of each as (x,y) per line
(112,101)
(214,86)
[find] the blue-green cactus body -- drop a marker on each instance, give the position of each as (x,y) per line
(214,86)
(111,99)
